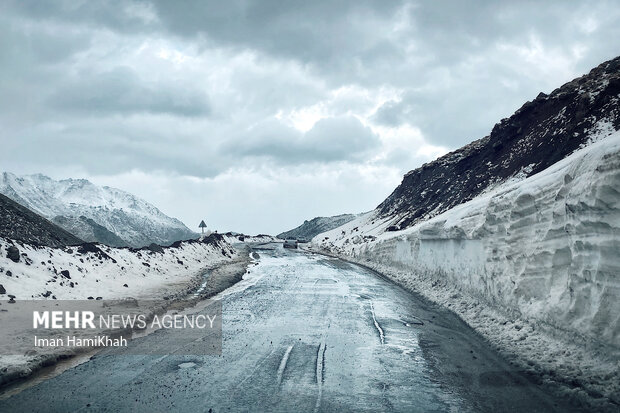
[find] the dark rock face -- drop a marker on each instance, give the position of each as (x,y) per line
(213,239)
(155,248)
(89,247)
(539,134)
(21,224)
(2,290)
(65,273)
(12,253)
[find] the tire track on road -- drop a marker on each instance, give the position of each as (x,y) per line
(283,364)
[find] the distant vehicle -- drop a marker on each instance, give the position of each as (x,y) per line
(290,243)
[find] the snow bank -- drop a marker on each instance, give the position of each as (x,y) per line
(96,270)
(541,255)
(249,239)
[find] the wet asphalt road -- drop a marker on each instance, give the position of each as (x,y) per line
(306,333)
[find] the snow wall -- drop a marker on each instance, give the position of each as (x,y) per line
(547,247)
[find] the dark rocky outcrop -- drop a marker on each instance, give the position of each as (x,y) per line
(12,253)
(21,224)
(91,247)
(154,248)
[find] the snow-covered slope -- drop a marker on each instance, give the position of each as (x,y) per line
(309,229)
(92,270)
(532,264)
(83,208)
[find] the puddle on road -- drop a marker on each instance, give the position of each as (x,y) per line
(44,374)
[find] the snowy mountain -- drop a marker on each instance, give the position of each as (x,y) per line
(93,213)
(19,223)
(309,229)
(536,136)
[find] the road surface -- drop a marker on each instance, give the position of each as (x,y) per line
(306,333)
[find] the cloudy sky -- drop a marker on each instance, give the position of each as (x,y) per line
(256,115)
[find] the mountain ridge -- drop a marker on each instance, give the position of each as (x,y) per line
(95,213)
(309,229)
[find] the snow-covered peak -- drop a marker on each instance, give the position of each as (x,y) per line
(129,217)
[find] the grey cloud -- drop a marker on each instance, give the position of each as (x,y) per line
(299,28)
(122,16)
(115,146)
(122,91)
(340,138)
(451,120)
(329,140)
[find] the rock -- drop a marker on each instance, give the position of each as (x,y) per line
(88,247)
(65,273)
(125,285)
(155,248)
(91,298)
(176,244)
(12,253)
(99,298)
(46,294)
(2,290)
(12,300)
(9,273)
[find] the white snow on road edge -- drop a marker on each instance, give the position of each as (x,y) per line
(532,265)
